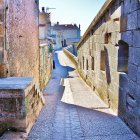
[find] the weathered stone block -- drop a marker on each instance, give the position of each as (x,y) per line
(131,55)
(132,87)
(132,20)
(136,38)
(113,38)
(127,37)
(20,103)
(122,107)
(135,5)
(137,56)
(139,18)
(113,99)
(123,23)
(138,75)
(137,94)
(113,27)
(132,72)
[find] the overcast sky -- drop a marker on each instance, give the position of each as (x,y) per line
(73,11)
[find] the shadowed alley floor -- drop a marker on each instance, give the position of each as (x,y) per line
(73,112)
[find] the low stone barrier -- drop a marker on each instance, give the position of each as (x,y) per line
(20,104)
(72,57)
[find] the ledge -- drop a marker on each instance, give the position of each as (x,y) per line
(15,82)
(72,57)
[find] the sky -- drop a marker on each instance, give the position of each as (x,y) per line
(73,11)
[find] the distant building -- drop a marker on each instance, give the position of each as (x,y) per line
(65,34)
(44,25)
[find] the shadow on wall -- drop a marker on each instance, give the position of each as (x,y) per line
(108,76)
(128,107)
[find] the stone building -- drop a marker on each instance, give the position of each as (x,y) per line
(65,34)
(20,64)
(44,24)
(109,60)
(46,47)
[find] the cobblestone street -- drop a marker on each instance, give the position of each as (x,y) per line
(73,112)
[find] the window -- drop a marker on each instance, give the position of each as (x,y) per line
(83,62)
(123,56)
(103,61)
(92,63)
(107,38)
(87,65)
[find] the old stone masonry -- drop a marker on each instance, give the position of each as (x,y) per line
(55,85)
(75,112)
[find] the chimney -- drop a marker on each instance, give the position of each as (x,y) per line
(43,9)
(79,26)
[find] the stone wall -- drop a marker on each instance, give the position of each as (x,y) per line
(108,57)
(46,63)
(3,60)
(72,49)
(21,36)
(129,108)
(19,57)
(20,103)
(98,54)
(71,56)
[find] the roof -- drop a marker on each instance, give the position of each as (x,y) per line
(64,27)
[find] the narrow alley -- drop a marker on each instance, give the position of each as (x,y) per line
(73,112)
(68,73)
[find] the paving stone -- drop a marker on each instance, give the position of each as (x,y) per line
(64,121)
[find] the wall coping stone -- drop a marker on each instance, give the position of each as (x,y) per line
(15,82)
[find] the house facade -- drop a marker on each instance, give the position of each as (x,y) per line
(65,34)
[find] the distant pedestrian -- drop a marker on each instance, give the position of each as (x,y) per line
(53,64)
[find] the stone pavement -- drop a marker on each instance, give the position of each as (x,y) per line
(73,111)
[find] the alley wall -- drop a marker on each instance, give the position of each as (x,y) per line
(108,58)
